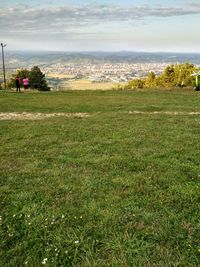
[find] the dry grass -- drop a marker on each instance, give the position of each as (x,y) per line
(88,85)
(60,75)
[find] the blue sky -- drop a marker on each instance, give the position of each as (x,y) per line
(110,25)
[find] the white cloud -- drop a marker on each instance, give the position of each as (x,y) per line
(97,26)
(62,19)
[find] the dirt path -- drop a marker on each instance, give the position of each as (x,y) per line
(37,115)
(175,113)
(42,116)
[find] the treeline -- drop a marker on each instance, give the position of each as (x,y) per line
(36,78)
(175,75)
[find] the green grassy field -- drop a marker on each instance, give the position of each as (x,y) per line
(112,189)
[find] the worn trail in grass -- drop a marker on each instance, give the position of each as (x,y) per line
(111,189)
(43,115)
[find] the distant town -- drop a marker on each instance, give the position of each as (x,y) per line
(104,72)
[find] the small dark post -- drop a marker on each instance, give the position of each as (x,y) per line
(4,71)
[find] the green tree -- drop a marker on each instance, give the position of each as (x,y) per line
(37,79)
(150,80)
(158,82)
(135,84)
(183,74)
(168,77)
(178,75)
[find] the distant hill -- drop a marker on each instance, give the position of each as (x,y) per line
(25,59)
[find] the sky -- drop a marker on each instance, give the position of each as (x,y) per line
(112,25)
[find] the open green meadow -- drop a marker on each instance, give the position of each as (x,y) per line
(119,187)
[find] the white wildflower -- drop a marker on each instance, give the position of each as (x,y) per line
(44,261)
(76,242)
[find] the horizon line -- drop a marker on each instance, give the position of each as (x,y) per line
(103,51)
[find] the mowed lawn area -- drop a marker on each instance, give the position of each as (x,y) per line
(114,188)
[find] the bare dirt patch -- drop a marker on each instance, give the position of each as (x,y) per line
(38,115)
(175,113)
